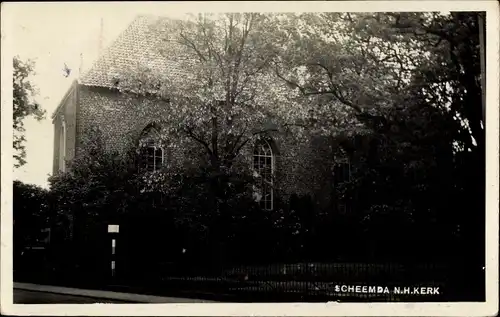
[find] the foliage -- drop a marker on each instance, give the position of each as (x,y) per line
(395,93)
(411,82)
(227,95)
(375,65)
(31,214)
(97,185)
(24,105)
(203,210)
(450,78)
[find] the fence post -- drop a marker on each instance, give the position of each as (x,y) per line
(113,230)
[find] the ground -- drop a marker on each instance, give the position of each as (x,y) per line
(31,297)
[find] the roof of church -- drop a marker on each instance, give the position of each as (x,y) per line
(137,45)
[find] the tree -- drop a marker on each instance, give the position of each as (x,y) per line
(374,63)
(168,211)
(223,98)
(100,187)
(452,78)
(24,106)
(412,81)
(98,184)
(30,214)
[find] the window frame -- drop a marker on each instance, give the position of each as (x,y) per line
(145,156)
(149,140)
(262,156)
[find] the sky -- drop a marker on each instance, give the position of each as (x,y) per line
(54,34)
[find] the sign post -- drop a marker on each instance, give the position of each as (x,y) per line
(113,230)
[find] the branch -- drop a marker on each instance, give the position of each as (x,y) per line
(349,17)
(250,138)
(238,139)
(296,125)
(215,131)
(191,134)
(335,91)
(239,55)
(193,46)
(211,48)
(291,83)
(248,76)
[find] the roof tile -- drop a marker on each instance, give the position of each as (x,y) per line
(138,45)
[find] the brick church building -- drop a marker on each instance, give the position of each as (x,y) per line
(92,100)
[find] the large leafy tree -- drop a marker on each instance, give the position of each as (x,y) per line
(223,97)
(450,78)
(226,94)
(25,105)
(375,63)
(450,81)
(411,81)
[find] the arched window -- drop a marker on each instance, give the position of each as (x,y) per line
(62,146)
(152,154)
(263,164)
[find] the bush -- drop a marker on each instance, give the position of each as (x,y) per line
(31,215)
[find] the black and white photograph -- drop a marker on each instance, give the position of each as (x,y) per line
(282,156)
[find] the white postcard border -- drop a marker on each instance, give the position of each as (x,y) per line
(489,308)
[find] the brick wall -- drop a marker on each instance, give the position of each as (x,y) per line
(122,119)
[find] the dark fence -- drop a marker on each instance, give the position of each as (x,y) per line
(152,261)
(271,282)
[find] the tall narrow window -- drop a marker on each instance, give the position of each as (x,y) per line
(152,157)
(152,154)
(342,172)
(62,147)
(263,164)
